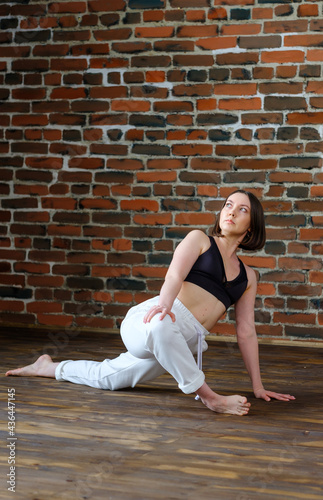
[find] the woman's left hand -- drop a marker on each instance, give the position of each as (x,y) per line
(268,395)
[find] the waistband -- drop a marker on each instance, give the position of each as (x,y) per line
(187,314)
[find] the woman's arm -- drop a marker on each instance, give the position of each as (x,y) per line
(248,342)
(186,253)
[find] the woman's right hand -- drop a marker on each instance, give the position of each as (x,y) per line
(163,310)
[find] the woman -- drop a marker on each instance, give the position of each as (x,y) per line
(204,278)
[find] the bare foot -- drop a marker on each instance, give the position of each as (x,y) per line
(43,367)
(236,405)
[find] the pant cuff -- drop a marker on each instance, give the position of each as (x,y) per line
(59,370)
(193,386)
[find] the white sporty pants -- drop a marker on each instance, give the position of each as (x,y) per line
(153,348)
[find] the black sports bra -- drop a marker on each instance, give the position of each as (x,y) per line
(208,272)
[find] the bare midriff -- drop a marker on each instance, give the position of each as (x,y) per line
(206,308)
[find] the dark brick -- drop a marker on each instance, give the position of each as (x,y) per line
(9,24)
(216,119)
(131,18)
(142,246)
(13,79)
(283,103)
(217,135)
(307,162)
(151,61)
(244,177)
(195,75)
(114,134)
(32,36)
(260,42)
(219,74)
(297,192)
(285,220)
(181,205)
(17,293)
(143,232)
(150,149)
(275,247)
(114,176)
(85,283)
(109,19)
(125,284)
(111,218)
(160,259)
(147,120)
(71,218)
(305,332)
(199,177)
(72,135)
(240,14)
(146,4)
(42,243)
(287,133)
(310,134)
(20,203)
(310,71)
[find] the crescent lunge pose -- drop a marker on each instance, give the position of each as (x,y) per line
(205,277)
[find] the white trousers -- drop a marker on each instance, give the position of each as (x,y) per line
(153,348)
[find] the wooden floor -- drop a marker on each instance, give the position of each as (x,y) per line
(153,442)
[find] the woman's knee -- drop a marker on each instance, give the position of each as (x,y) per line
(160,333)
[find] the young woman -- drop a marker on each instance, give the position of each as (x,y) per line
(162,334)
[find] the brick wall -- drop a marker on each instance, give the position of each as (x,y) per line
(123,126)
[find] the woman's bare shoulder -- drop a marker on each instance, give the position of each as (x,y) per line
(198,237)
(251,275)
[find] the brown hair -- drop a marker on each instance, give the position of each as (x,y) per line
(255,238)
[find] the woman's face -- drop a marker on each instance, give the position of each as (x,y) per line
(235,216)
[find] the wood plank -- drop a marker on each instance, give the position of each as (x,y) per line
(153,442)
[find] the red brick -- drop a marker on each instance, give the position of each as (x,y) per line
(307,10)
(266,289)
(195,15)
(68,93)
(152,16)
(197,31)
(140,205)
(235,89)
(294,318)
(217,43)
(31,268)
(243,150)
(154,32)
(153,220)
(240,29)
(12,305)
(195,219)
(240,104)
(110,271)
(192,149)
(155,76)
(106,5)
(55,319)
(311,234)
(259,262)
(112,34)
(130,105)
(44,307)
(315,55)
(29,94)
(103,297)
(284,56)
(299,263)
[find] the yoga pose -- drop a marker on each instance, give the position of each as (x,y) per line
(162,334)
